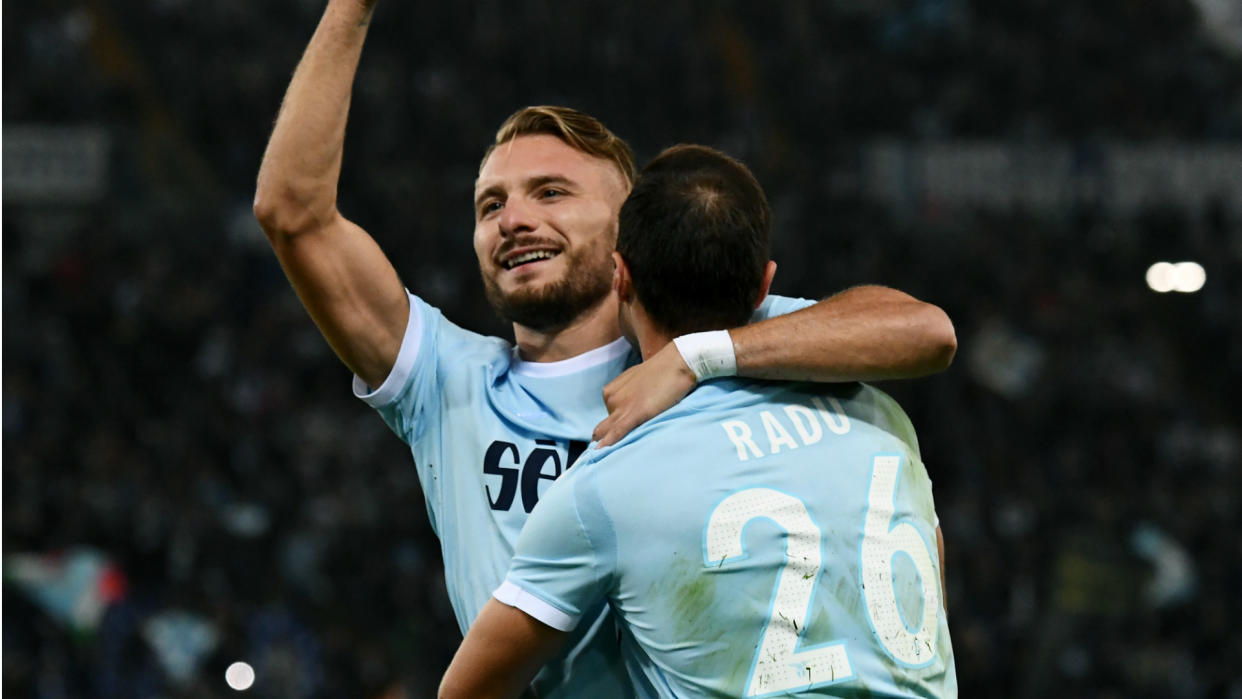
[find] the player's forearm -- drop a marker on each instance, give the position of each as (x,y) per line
(298,178)
(865,333)
(501,653)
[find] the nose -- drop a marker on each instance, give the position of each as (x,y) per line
(516,217)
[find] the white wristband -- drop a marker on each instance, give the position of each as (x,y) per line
(708,354)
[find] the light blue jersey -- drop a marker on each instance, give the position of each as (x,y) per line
(757,539)
(489,434)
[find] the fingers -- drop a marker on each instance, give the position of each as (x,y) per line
(621,419)
(639,394)
(615,388)
(613,428)
(600,430)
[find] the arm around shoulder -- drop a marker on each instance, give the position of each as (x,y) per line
(865,333)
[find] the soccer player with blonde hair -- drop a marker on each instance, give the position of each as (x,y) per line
(490,423)
(758,538)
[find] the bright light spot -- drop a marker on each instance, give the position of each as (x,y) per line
(1186,277)
(239,676)
(1161,277)
(1190,277)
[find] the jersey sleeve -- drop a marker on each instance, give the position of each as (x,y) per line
(432,359)
(773,306)
(436,357)
(404,397)
(566,555)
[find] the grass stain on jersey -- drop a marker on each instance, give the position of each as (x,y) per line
(693,597)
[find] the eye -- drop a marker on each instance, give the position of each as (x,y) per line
(490,206)
(551,193)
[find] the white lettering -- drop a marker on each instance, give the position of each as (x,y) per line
(739,434)
(803,419)
(808,423)
(778,436)
(835,419)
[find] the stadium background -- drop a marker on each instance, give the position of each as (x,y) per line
(188,482)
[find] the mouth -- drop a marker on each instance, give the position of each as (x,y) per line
(522,258)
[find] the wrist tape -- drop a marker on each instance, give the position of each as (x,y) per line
(708,354)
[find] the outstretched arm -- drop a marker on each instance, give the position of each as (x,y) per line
(502,652)
(338,271)
(866,333)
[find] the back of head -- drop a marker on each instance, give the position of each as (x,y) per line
(578,130)
(695,233)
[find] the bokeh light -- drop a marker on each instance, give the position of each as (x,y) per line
(1190,277)
(240,676)
(1186,277)
(1160,277)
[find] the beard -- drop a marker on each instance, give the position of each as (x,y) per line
(552,306)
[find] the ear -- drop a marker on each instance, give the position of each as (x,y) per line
(768,272)
(621,281)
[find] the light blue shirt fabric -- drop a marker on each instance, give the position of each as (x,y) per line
(757,539)
(489,434)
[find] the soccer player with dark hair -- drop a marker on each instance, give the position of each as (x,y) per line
(491,424)
(748,538)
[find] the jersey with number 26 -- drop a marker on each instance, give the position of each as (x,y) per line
(490,433)
(757,539)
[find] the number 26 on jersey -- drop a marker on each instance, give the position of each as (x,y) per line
(780,663)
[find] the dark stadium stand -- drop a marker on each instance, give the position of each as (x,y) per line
(169,406)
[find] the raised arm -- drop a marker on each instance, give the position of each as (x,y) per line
(338,271)
(866,333)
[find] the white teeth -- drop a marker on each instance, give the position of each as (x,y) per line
(529,256)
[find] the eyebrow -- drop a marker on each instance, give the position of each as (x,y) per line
(530,184)
(544,180)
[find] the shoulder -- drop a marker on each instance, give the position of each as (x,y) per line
(868,404)
(656,442)
(602,473)
(433,325)
(571,512)
(433,351)
(445,352)
(774,305)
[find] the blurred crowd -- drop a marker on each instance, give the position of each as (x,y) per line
(188,481)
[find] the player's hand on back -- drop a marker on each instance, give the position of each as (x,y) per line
(642,392)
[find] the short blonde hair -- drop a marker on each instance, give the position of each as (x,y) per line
(579,131)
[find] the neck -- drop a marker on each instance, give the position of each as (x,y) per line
(650,345)
(594,327)
(649,337)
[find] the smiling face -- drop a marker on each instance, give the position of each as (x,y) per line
(545,229)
